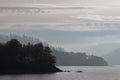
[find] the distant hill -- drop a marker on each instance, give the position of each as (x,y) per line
(77,59)
(113,58)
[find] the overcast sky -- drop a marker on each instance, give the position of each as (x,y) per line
(91,26)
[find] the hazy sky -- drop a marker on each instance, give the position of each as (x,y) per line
(91,26)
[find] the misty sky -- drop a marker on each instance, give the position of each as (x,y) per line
(91,26)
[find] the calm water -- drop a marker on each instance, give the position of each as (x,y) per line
(89,73)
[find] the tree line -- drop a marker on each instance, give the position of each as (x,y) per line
(13,52)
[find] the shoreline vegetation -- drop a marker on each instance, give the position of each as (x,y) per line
(16,58)
(22,55)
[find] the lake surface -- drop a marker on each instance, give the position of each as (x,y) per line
(89,73)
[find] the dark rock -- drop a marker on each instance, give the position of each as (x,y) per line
(66,71)
(78,71)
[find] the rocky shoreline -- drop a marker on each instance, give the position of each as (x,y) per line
(31,68)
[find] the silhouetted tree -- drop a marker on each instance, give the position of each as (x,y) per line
(13,44)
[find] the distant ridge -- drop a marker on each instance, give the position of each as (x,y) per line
(77,59)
